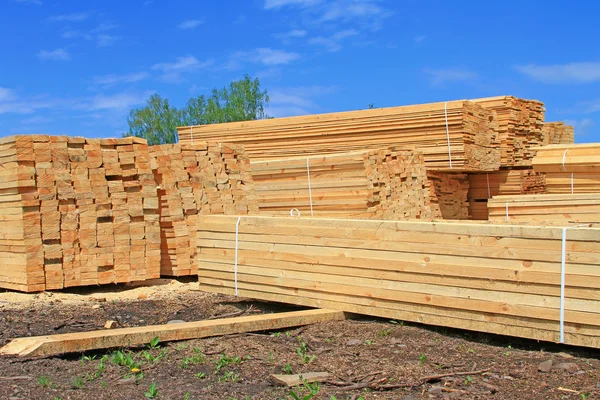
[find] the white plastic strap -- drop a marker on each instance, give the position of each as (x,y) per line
(294,212)
(572,184)
(309,187)
(563,160)
(563,270)
(447,133)
(487,178)
(235,265)
(507,212)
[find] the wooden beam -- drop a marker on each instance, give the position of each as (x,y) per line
(104,339)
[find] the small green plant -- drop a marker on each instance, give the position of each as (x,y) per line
(197,358)
(154,343)
(200,375)
(508,352)
(302,351)
(44,381)
(369,342)
(277,334)
(468,380)
(584,396)
(229,376)
(186,396)
(78,382)
(224,361)
(399,323)
(384,332)
(287,369)
(88,358)
(312,389)
(104,384)
(152,392)
(422,359)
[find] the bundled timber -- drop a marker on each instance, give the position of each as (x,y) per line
(198,179)
(504,182)
(77,212)
(546,209)
(456,135)
(380,184)
(520,127)
(558,133)
(500,279)
(570,168)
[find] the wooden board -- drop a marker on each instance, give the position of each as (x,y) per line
(383,184)
(551,209)
(492,278)
(142,335)
(455,135)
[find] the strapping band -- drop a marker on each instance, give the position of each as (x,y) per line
(487,178)
(507,212)
(447,133)
(294,212)
(309,187)
(235,265)
(563,270)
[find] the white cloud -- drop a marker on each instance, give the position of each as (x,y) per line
(105,26)
(439,76)
(583,72)
(56,55)
(280,3)
(75,17)
(334,42)
(110,80)
(419,39)
(190,24)
(294,33)
(105,40)
(71,34)
(37,120)
(172,72)
(118,102)
(296,100)
(6,94)
(582,126)
(36,2)
(268,56)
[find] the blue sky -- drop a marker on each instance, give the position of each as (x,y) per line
(78,67)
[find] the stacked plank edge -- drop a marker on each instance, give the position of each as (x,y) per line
(520,127)
(77,212)
(499,279)
(193,180)
(570,168)
(482,186)
(380,184)
(558,133)
(546,209)
(456,135)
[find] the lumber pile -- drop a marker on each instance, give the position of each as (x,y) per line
(546,209)
(520,127)
(77,212)
(558,133)
(203,178)
(570,168)
(457,135)
(380,184)
(504,182)
(501,279)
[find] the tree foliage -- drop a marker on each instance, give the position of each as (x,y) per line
(157,121)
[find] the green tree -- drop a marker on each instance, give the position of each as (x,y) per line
(241,100)
(157,121)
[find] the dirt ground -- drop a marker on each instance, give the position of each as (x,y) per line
(367,358)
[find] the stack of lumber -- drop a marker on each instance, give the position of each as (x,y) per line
(81,211)
(203,178)
(570,168)
(457,135)
(558,133)
(504,182)
(501,279)
(546,209)
(520,127)
(378,184)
